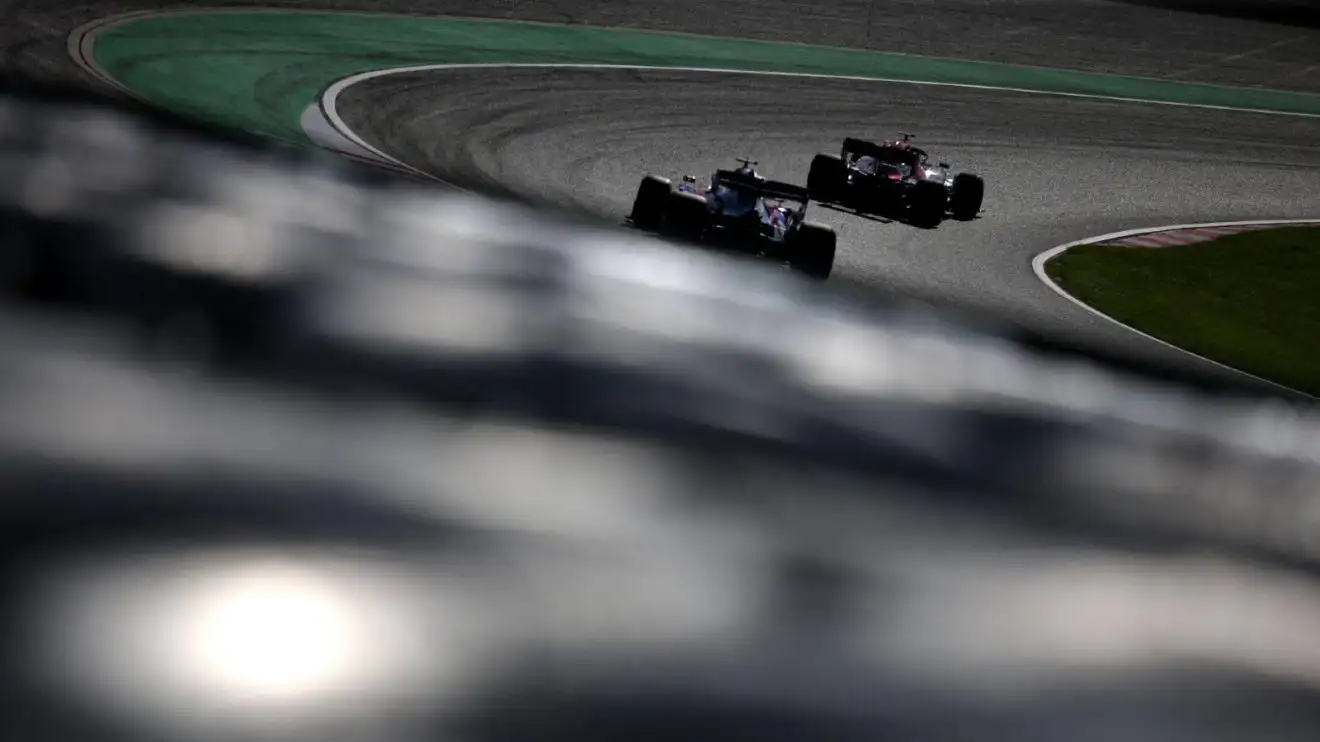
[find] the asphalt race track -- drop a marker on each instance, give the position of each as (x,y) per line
(1058,169)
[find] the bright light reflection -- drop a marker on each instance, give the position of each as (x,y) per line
(243,641)
(271,632)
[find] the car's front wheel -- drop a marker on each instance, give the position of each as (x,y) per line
(968,194)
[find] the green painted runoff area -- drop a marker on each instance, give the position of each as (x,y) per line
(1247,300)
(259,71)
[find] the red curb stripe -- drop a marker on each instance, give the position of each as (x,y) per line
(1145,242)
(1167,238)
(1178,237)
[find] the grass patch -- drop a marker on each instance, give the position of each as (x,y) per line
(1249,300)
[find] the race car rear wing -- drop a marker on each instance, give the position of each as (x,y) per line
(861,147)
(788,191)
(873,148)
(771,188)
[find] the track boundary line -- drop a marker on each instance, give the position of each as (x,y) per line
(81,44)
(1038,266)
(436,66)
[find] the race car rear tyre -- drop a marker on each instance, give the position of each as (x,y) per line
(685,215)
(968,193)
(648,211)
(928,203)
(825,179)
(813,248)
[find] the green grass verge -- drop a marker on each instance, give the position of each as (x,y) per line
(1250,300)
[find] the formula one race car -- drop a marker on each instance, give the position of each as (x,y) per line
(894,177)
(741,210)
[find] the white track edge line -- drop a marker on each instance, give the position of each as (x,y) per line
(1038,266)
(329,103)
(819,76)
(82,40)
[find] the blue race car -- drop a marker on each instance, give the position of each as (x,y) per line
(740,210)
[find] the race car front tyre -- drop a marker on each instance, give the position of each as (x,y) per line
(648,211)
(812,250)
(929,201)
(968,193)
(825,179)
(685,215)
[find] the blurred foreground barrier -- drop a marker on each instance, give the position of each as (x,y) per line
(293,454)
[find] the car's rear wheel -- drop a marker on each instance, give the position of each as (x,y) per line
(968,194)
(685,215)
(648,211)
(812,248)
(928,202)
(825,179)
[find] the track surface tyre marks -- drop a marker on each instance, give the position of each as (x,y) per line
(583,138)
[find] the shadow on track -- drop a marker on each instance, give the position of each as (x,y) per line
(884,217)
(859,214)
(1303,14)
